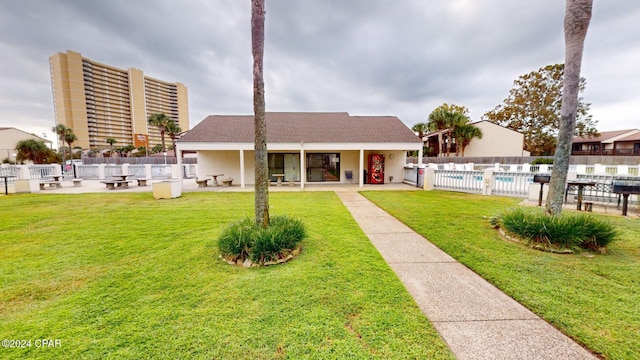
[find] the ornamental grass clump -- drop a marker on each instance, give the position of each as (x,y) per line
(562,232)
(244,240)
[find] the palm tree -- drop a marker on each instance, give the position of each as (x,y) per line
(160,121)
(32,150)
(420,129)
(69,137)
(576,22)
(452,120)
(260,124)
(447,117)
(463,135)
(111,141)
(437,124)
(61,130)
(174,131)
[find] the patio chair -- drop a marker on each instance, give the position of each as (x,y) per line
(348,174)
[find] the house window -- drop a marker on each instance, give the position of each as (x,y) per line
(323,167)
(283,163)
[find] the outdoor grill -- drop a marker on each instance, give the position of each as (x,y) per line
(541,179)
(626,186)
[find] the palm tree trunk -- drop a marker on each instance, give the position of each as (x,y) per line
(262,165)
(576,23)
(162,138)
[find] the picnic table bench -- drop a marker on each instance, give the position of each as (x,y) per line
(113,184)
(142,181)
(53,184)
(202,182)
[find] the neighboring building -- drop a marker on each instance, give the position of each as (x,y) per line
(98,101)
(496,141)
(618,142)
(304,147)
(10,137)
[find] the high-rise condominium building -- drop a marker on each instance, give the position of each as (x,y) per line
(99,102)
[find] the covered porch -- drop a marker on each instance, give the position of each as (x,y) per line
(303,164)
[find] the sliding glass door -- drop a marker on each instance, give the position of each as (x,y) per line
(287,164)
(323,167)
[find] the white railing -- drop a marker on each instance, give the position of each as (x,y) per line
(138,171)
(41,171)
(88,172)
(112,170)
(161,171)
(517,184)
(511,183)
(459,180)
(410,175)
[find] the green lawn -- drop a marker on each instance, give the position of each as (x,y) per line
(126,276)
(595,300)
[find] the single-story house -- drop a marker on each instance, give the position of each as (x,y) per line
(617,142)
(318,148)
(496,140)
(9,139)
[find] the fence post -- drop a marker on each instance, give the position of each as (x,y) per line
(429,178)
(101,171)
(56,169)
(488,181)
(23,172)
(175,171)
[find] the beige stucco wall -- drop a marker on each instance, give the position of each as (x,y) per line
(496,141)
(10,137)
(227,162)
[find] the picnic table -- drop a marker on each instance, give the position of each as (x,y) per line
(122,176)
(279,178)
(580,184)
(53,177)
(215,179)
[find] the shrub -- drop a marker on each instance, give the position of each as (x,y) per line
(568,230)
(243,239)
(539,161)
(235,239)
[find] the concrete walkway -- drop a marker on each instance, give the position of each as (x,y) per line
(475,319)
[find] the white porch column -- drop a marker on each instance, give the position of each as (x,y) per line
(361,169)
(179,162)
(242,181)
(420,155)
(303,168)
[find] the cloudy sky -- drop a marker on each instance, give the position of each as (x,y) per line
(366,57)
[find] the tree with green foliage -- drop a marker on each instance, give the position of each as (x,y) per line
(111,141)
(173,131)
(447,117)
(69,138)
(420,129)
(160,121)
(156,149)
(60,131)
(260,124)
(576,23)
(463,134)
(533,108)
(35,151)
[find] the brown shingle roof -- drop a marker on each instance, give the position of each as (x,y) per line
(287,127)
(604,136)
(633,137)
